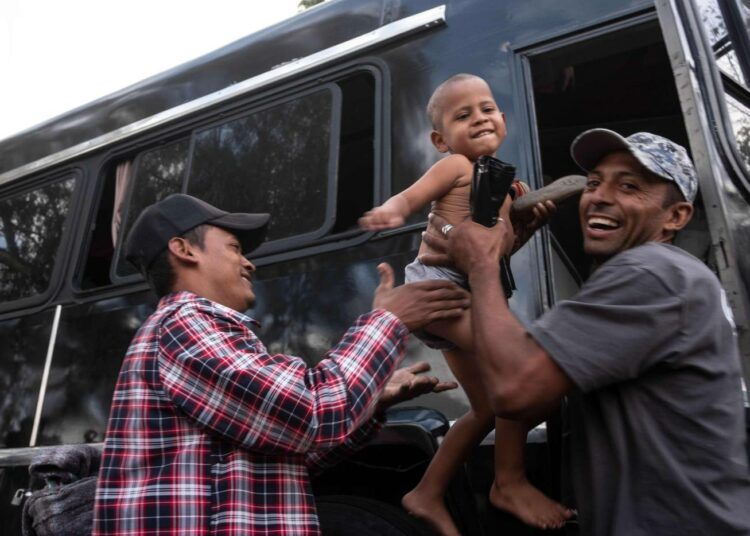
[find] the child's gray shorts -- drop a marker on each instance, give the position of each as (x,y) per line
(416,271)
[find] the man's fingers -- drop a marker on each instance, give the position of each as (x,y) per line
(419,366)
(435,259)
(386,276)
(436,221)
(444,386)
(445,314)
(434,290)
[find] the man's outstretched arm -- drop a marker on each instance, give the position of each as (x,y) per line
(407,383)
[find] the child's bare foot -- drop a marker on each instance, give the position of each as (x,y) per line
(527,503)
(432,511)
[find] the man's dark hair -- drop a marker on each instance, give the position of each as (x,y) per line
(160,275)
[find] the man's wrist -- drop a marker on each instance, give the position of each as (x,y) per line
(484,271)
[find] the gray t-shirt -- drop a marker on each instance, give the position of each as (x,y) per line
(657,423)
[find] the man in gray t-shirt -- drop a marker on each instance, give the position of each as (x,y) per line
(646,350)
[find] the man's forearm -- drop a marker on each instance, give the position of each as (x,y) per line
(501,343)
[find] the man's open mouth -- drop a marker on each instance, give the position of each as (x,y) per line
(602,224)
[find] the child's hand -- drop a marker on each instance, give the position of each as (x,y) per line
(526,222)
(380,218)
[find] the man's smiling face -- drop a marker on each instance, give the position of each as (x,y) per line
(622,207)
(227,274)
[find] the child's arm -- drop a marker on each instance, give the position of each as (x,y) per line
(433,185)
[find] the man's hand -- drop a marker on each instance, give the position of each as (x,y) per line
(407,383)
(468,245)
(418,304)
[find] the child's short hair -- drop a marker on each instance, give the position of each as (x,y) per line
(434,105)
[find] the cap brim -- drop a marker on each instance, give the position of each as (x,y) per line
(589,147)
(250,229)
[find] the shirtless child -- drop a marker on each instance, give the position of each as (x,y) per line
(467,124)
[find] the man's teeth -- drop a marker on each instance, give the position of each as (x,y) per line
(603,223)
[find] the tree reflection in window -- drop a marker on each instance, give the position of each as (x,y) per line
(31,228)
(275,160)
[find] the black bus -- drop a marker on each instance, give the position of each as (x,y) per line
(315,120)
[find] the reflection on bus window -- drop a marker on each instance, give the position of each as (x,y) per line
(716,29)
(22,355)
(740,117)
(274,160)
(31,226)
(737,96)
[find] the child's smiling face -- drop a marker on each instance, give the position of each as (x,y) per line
(471,123)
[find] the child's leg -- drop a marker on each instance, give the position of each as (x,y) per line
(426,500)
(511,491)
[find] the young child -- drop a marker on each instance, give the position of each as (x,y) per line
(466,123)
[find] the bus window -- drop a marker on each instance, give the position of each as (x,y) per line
(309,160)
(718,35)
(277,159)
(724,40)
(128,185)
(356,150)
(31,229)
(156,174)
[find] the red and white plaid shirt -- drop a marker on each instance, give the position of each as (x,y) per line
(209,434)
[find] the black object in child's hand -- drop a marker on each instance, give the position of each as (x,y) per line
(490,184)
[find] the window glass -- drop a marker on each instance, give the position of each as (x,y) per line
(22,356)
(737,99)
(31,228)
(739,114)
(276,160)
(713,22)
(158,173)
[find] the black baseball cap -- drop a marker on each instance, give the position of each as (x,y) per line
(177,214)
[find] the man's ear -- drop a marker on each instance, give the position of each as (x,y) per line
(439,142)
(679,215)
(182,250)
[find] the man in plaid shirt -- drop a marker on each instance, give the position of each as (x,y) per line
(209,433)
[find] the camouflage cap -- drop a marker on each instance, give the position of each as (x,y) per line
(659,155)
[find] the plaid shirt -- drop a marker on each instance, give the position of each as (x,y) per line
(209,434)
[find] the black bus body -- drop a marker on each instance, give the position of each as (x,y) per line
(315,120)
